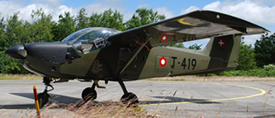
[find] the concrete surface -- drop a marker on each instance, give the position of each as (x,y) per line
(166,98)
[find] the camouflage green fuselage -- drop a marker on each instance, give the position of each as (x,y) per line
(105,63)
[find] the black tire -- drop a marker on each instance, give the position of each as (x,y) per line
(129,99)
(44,99)
(89,94)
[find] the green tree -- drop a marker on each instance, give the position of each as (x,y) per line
(12,33)
(27,33)
(265,50)
(9,65)
(82,19)
(143,16)
(178,45)
(41,26)
(109,18)
(64,27)
(13,30)
(3,42)
(195,46)
(246,58)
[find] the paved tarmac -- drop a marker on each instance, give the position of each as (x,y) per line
(166,98)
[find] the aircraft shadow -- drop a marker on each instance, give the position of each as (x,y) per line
(57,99)
(172,99)
(63,101)
(266,116)
(18,106)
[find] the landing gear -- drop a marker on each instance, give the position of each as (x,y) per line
(130,99)
(89,93)
(44,98)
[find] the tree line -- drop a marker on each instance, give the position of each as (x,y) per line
(42,28)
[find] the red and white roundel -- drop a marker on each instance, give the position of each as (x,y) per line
(162,61)
(164,38)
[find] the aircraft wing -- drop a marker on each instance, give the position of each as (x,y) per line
(191,26)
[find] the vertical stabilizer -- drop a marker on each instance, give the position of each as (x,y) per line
(224,51)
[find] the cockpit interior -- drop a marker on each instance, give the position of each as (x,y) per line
(90,39)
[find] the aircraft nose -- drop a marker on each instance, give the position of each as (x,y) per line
(17,52)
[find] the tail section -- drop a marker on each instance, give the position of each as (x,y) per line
(223,51)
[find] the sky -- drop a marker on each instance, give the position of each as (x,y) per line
(260,12)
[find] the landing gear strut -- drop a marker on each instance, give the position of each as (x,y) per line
(130,99)
(44,98)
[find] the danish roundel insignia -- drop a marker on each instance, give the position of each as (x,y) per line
(162,61)
(164,38)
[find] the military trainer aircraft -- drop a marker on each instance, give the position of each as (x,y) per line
(98,53)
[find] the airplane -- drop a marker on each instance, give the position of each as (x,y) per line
(99,53)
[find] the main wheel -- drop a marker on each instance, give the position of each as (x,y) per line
(129,99)
(44,99)
(89,94)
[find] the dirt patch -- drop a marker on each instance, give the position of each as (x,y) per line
(213,78)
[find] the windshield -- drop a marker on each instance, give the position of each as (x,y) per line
(90,38)
(75,35)
(92,32)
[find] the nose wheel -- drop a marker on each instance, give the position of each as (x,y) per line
(44,98)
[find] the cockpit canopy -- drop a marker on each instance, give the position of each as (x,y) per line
(90,38)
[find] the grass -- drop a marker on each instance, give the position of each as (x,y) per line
(107,109)
(20,77)
(92,109)
(267,96)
